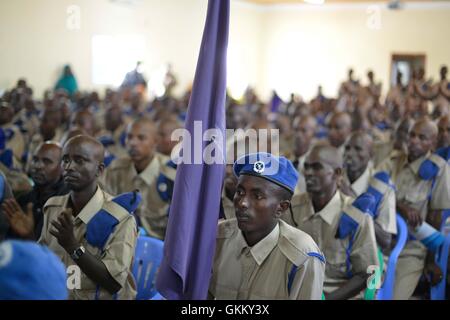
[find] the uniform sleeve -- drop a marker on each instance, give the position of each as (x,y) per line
(387,212)
(364,250)
(119,251)
(440,199)
(308,281)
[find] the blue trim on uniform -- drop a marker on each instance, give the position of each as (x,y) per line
(346,226)
(6,157)
(317,255)
(106,141)
(384,177)
(129,201)
(428,170)
(123,138)
(378,199)
(2,188)
(291,277)
(100,228)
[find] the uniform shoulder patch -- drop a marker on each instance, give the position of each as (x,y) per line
(296,245)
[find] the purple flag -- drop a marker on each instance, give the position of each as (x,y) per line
(191,232)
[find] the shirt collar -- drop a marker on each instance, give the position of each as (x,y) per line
(331,210)
(361,184)
(91,208)
(150,172)
(263,248)
(415,165)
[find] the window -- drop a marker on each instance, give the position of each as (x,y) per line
(114,56)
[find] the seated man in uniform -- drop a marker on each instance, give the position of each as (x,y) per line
(340,127)
(304,133)
(360,173)
(395,147)
(320,213)
(140,170)
(49,130)
(166,126)
(74,227)
(259,256)
(114,133)
(418,200)
(46,172)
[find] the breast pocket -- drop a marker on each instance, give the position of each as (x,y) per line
(336,260)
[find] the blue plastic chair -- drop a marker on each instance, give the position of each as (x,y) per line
(386,292)
(438,291)
(148,257)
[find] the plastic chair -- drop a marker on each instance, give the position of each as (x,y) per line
(386,291)
(438,291)
(148,257)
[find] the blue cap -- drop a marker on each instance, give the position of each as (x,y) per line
(276,169)
(29,271)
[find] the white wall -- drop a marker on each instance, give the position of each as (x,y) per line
(35,42)
(307,47)
(289,48)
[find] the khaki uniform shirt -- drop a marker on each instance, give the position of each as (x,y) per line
(414,191)
(323,227)
(386,218)
(117,255)
(121,176)
(262,271)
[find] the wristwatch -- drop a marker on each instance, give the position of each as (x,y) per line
(77,253)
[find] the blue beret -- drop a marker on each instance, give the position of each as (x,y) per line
(276,169)
(29,271)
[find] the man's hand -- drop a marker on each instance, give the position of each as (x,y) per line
(20,222)
(433,273)
(63,231)
(411,215)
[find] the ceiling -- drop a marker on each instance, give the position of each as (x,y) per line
(326,1)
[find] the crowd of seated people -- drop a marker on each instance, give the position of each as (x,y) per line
(65,160)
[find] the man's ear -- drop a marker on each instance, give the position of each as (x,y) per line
(100,169)
(282,207)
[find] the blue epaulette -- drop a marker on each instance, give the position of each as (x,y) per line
(108,159)
(106,141)
(2,188)
(123,138)
(348,226)
(6,157)
(429,169)
(9,134)
(384,177)
(164,184)
(102,225)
